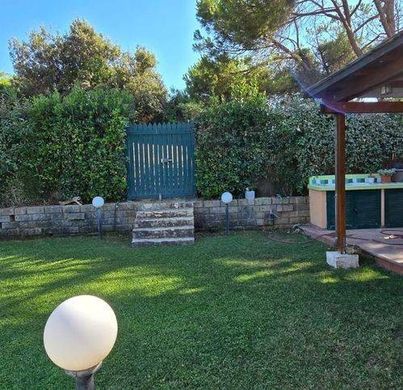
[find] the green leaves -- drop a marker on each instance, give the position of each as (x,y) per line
(229,151)
(248,142)
(70,146)
(82,57)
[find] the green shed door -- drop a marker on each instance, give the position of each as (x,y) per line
(394,208)
(331,210)
(363,209)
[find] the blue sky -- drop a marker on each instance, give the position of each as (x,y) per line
(164,26)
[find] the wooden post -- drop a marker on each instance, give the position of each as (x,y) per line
(340,198)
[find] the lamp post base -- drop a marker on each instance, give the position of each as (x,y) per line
(85,379)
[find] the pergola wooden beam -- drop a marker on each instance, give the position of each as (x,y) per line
(377,68)
(371,79)
(362,107)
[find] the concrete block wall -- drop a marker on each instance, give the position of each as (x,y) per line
(288,211)
(209,215)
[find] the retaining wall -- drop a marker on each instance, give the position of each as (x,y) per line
(209,215)
(288,211)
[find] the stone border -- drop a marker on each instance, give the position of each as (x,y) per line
(20,222)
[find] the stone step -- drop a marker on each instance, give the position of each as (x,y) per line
(167,204)
(165,213)
(138,242)
(164,232)
(163,222)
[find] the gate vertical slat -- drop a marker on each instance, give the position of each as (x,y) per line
(129,151)
(171,166)
(135,164)
(141,166)
(146,165)
(167,164)
(153,163)
(193,160)
(165,154)
(159,165)
(175,160)
(187,163)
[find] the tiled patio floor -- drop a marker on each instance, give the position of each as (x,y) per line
(385,245)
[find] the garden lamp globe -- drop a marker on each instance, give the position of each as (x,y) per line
(78,335)
(226,197)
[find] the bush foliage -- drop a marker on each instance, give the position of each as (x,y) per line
(59,147)
(241,143)
(54,147)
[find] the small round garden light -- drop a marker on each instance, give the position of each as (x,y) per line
(98,202)
(226,197)
(78,335)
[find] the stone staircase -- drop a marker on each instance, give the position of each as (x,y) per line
(163,223)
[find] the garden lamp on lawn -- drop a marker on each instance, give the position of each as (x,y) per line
(78,336)
(226,198)
(98,202)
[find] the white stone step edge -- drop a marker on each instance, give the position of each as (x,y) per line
(189,219)
(162,240)
(164,228)
(187,210)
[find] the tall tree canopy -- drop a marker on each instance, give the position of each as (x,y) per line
(5,80)
(53,62)
(313,37)
(225,77)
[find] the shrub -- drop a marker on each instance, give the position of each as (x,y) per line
(302,143)
(13,133)
(73,145)
(240,143)
(230,153)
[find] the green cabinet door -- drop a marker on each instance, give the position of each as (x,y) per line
(363,209)
(394,208)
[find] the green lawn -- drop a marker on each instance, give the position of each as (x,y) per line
(237,312)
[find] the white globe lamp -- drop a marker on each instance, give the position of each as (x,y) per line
(226,197)
(98,201)
(78,335)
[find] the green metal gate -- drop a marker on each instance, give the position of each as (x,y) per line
(161,161)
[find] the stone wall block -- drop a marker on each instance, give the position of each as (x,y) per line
(53,209)
(73,208)
(213,203)
(285,207)
(263,201)
(35,210)
(74,216)
(20,210)
(87,208)
(5,218)
(7,211)
(301,199)
(32,232)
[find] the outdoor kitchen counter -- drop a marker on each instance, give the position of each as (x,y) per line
(368,205)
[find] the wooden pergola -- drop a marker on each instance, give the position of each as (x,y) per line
(377,75)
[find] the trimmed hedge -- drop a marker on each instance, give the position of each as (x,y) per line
(242,143)
(67,146)
(54,147)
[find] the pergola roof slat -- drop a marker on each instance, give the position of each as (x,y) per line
(368,73)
